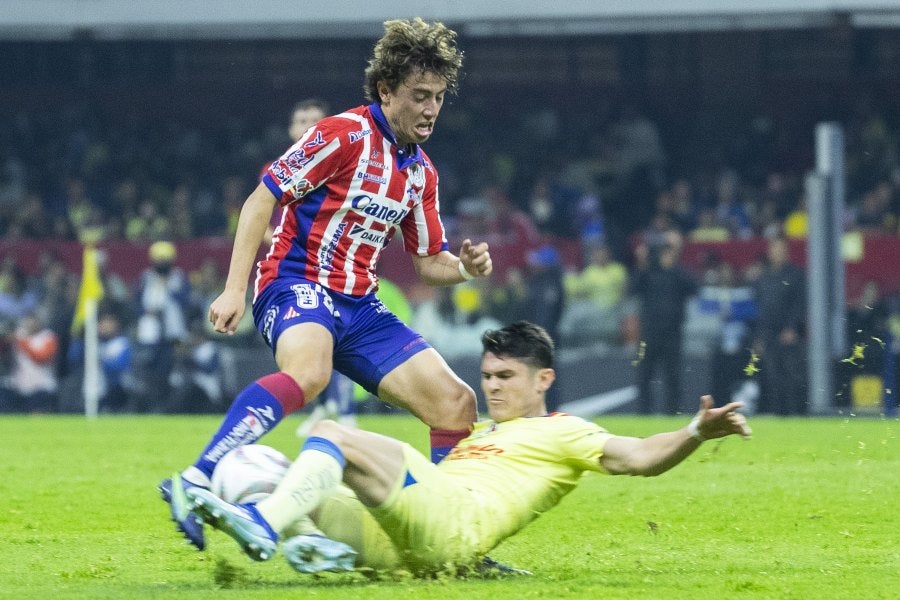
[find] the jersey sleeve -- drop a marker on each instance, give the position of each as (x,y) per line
(582,442)
(422,229)
(306,165)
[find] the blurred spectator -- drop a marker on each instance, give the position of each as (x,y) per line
(33,384)
(180,213)
(780,293)
(546,291)
(658,232)
(471,218)
(30,219)
(196,378)
(662,287)
(206,283)
(868,316)
(733,305)
(709,228)
(730,206)
(80,208)
(779,192)
(16,299)
(766,223)
(507,224)
(451,329)
(796,223)
(304,115)
(550,204)
(117,384)
(234,192)
(57,292)
(116,293)
(684,203)
(163,297)
(148,224)
(638,147)
(595,297)
(546,298)
(874,215)
(509,302)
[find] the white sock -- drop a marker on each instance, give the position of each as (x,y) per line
(311,478)
(194,475)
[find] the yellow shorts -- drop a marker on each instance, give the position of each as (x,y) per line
(433,520)
(427,525)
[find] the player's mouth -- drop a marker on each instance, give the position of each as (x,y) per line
(424,129)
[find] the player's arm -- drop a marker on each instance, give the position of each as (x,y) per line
(445,268)
(227,309)
(658,453)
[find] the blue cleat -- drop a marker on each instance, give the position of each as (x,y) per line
(316,553)
(240,521)
(490,566)
(186,521)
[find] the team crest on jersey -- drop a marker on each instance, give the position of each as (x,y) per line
(416,175)
(301,188)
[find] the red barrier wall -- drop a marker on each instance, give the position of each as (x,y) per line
(880,260)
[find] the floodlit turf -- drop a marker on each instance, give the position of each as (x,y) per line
(810,508)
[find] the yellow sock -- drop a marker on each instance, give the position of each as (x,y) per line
(313,477)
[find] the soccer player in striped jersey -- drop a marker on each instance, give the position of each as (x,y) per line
(396,508)
(345,189)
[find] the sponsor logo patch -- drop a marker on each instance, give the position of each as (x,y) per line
(358,232)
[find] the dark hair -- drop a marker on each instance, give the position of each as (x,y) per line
(410,46)
(522,340)
(312,103)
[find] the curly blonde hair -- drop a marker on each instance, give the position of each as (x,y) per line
(410,46)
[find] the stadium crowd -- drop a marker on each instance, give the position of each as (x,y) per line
(617,196)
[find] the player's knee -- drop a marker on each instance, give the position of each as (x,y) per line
(458,409)
(312,379)
(330,430)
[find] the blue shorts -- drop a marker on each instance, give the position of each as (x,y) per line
(369,340)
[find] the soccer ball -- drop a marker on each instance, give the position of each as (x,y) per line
(249,473)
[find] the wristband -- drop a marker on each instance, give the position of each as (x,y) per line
(465,274)
(693,430)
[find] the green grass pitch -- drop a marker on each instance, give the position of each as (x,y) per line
(809,508)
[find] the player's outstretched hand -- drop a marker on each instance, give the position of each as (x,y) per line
(226,310)
(717,422)
(476,258)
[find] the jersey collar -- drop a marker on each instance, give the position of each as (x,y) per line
(406,155)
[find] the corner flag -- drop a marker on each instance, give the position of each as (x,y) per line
(89,295)
(91,289)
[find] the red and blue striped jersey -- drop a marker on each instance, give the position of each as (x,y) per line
(346,187)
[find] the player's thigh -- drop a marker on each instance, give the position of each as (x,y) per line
(426,386)
(374,463)
(342,517)
(432,518)
(303,351)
